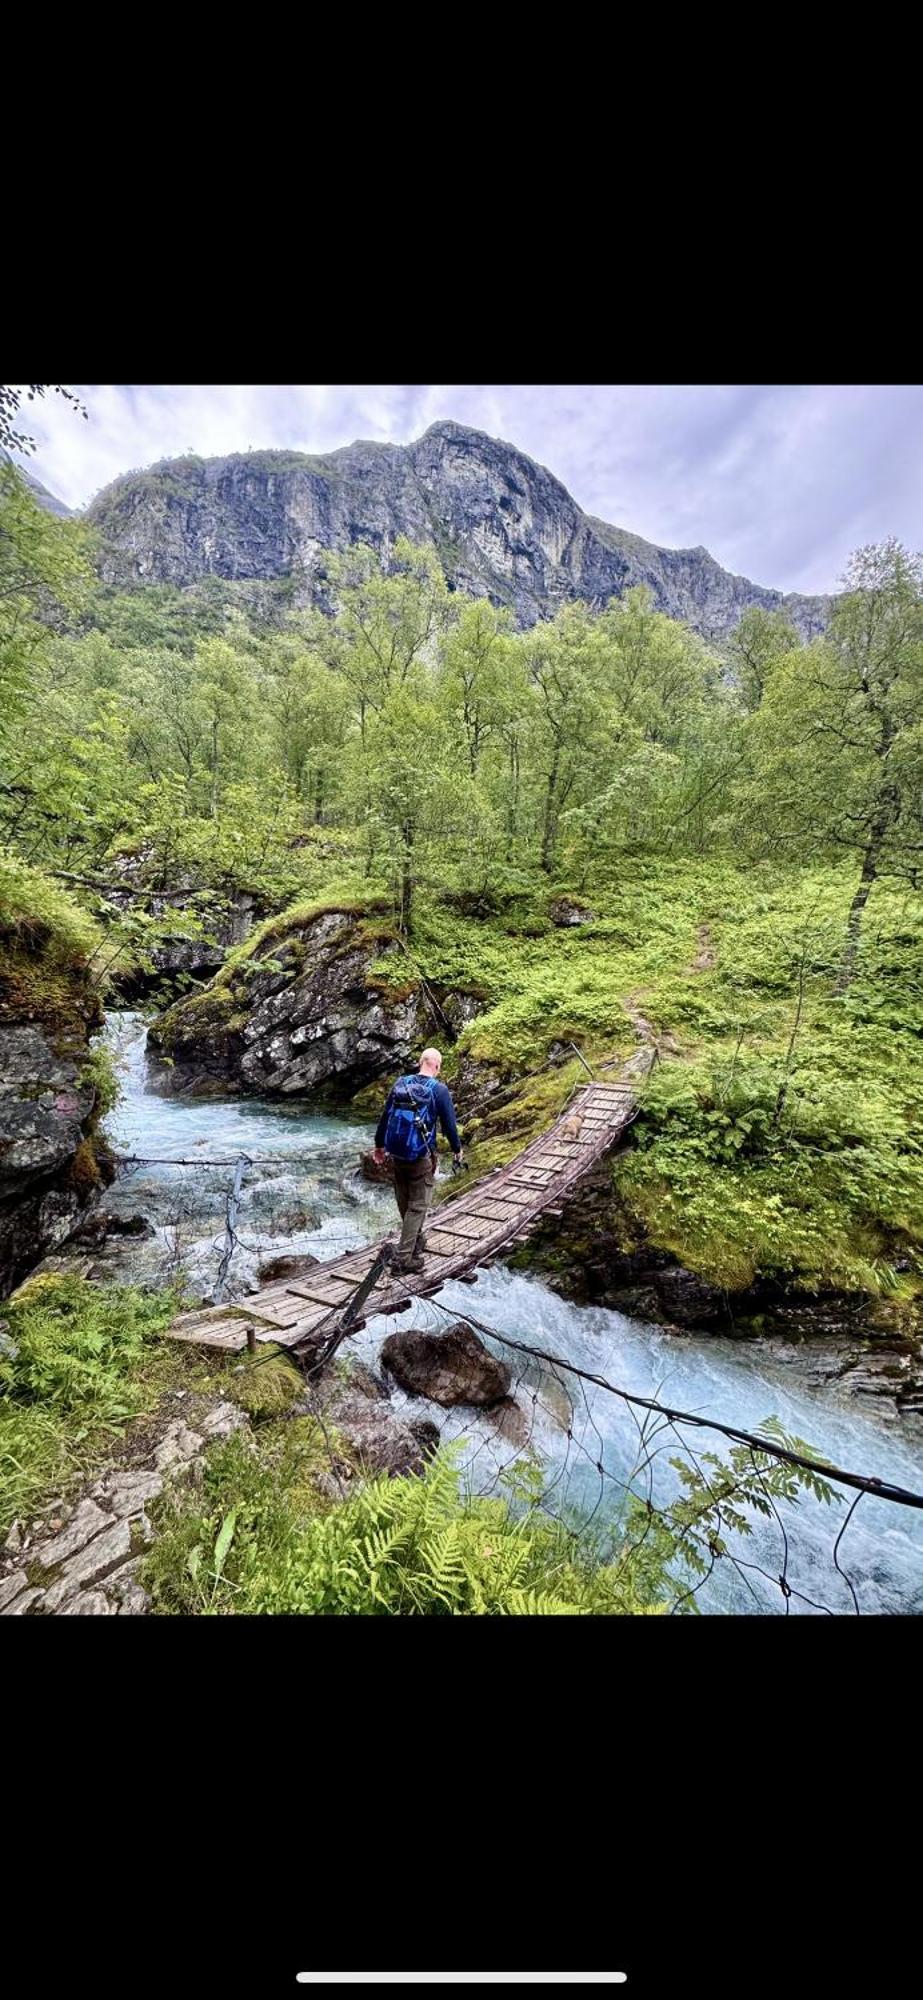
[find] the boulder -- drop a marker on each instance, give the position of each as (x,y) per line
(286,1267)
(307,1012)
(447,1368)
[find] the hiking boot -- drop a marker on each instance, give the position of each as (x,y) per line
(402,1265)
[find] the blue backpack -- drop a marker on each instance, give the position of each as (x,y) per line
(411,1126)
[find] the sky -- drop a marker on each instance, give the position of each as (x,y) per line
(779,483)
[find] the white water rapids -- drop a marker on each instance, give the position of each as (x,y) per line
(311,1198)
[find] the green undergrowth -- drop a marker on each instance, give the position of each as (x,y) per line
(782,1132)
(47,945)
(79,1361)
(257,1538)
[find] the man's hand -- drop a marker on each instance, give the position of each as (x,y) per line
(379,1156)
(458,1158)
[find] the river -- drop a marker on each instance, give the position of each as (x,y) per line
(303,1193)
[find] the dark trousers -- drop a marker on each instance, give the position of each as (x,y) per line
(413,1192)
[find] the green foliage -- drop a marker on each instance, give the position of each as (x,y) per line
(410,1547)
(70,1379)
(718,1496)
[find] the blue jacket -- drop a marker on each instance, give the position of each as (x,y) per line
(445,1115)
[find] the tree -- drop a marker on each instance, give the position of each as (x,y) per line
(758,639)
(10,400)
(837,742)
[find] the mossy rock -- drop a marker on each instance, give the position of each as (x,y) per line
(265,1387)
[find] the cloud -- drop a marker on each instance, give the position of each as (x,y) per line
(780,483)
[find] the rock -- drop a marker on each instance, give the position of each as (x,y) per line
(311,1014)
(564,912)
(128,1493)
(376,1170)
(448,1368)
(14,1540)
(380,1441)
(23,1603)
(689,1299)
(427,1435)
(364,1382)
(12,1586)
(125,1594)
(48,1172)
(178,1445)
(86,1521)
(8,1346)
(286,1267)
(220,1422)
(511,1421)
(92,1563)
(504,526)
(88,1604)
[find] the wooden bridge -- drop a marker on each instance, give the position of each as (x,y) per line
(461,1232)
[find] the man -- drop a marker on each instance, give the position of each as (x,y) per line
(407,1130)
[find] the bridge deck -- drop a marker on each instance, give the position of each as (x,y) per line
(462,1232)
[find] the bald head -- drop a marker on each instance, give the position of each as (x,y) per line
(430,1062)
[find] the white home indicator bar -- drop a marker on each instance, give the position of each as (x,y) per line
(462,1978)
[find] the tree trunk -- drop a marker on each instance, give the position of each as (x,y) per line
(854,922)
(548,836)
(407,881)
(215,768)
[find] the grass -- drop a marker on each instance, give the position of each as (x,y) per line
(88,1363)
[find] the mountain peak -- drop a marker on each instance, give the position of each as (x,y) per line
(504,526)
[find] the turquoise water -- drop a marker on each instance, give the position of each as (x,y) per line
(304,1193)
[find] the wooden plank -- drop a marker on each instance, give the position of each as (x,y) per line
(334,1292)
(229,1343)
(440,1245)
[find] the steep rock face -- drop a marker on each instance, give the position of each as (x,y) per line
(502,525)
(309,1016)
(48,1172)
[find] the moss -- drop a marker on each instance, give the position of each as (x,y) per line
(266,1386)
(84,1171)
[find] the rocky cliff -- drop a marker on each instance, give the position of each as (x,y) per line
(503,526)
(50,1161)
(305,1012)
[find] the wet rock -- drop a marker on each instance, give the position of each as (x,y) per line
(43,1114)
(689,1299)
(447,1368)
(286,1267)
(101,1224)
(380,1441)
(510,1421)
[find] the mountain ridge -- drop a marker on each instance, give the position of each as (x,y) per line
(504,527)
